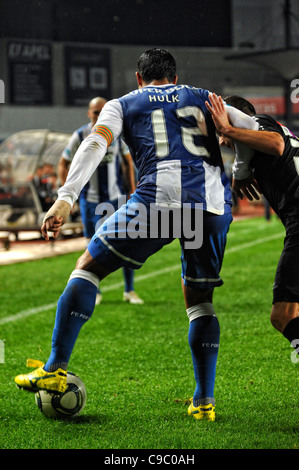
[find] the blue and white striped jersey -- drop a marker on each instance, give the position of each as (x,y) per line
(105,183)
(172,140)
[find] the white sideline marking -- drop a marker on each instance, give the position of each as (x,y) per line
(26,313)
(253,243)
(33,311)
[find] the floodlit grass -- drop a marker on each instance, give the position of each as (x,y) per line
(135,360)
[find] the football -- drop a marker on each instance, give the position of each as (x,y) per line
(67,405)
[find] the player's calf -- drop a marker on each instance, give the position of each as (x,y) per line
(282,313)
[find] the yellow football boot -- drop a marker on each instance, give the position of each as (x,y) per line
(39,379)
(202,411)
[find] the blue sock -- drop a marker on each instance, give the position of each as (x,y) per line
(74,308)
(203,336)
(129,279)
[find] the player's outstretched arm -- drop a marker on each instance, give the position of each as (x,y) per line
(218,113)
(268,142)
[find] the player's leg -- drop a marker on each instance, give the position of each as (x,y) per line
(128,274)
(88,227)
(285,308)
(90,219)
(284,314)
(130,294)
(285,318)
(105,254)
(74,308)
(200,273)
(204,338)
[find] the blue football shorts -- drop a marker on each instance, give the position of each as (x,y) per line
(138,230)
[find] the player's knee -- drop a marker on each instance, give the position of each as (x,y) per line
(87,263)
(197,296)
(200,310)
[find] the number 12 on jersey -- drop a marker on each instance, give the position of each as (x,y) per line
(187,133)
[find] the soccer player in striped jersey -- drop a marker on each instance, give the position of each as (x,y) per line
(272,167)
(104,186)
(172,140)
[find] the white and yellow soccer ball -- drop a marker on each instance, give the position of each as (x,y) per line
(66,405)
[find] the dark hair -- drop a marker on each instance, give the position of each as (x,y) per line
(156,64)
(241,104)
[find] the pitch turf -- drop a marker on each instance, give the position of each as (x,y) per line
(135,360)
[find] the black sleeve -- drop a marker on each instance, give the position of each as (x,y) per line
(267,123)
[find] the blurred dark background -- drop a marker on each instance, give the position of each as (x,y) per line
(172,23)
(55,55)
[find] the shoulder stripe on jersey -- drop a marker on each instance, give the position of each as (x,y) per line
(104,132)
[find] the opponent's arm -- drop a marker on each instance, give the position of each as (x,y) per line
(223,116)
(271,143)
(243,130)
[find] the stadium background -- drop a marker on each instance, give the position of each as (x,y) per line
(55,55)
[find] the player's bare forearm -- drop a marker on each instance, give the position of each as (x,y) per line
(271,143)
(218,113)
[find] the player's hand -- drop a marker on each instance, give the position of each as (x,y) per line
(248,187)
(56,216)
(218,113)
(52,224)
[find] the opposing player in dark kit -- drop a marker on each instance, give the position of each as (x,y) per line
(273,169)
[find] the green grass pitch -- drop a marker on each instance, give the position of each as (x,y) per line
(135,360)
